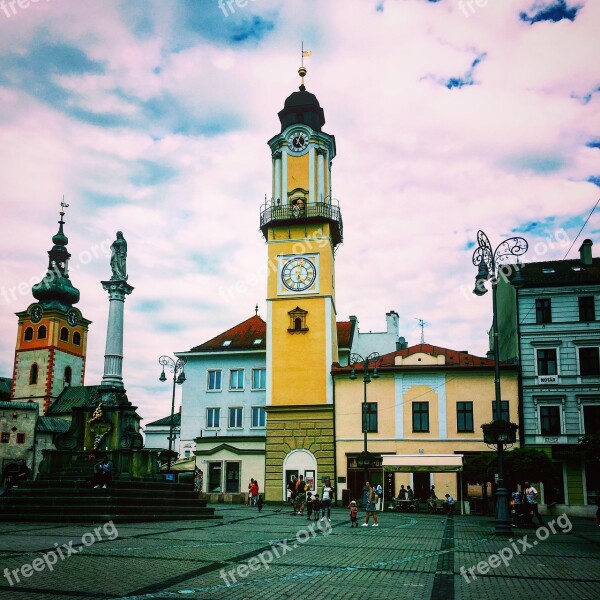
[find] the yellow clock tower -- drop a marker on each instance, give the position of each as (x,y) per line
(302,226)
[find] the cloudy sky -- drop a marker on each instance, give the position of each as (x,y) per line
(152,117)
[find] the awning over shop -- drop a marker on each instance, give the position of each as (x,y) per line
(423,463)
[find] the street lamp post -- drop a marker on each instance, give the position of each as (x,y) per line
(354,360)
(176,367)
(499,432)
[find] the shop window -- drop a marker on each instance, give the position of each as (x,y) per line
(214,477)
(232,477)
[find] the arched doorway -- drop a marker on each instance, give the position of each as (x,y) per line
(300,462)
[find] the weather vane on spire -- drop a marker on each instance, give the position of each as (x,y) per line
(302,69)
(63,205)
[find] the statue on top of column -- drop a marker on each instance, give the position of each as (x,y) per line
(118,258)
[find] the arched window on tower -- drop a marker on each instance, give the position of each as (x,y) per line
(298,320)
(42,332)
(67,377)
(64,334)
(29,334)
(77,338)
(33,374)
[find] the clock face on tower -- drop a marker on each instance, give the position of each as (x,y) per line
(36,313)
(298,274)
(72,318)
(297,141)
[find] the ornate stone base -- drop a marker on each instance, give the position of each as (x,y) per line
(294,428)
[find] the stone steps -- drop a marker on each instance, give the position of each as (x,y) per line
(63,500)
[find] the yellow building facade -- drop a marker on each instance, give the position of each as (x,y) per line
(430,400)
(302,228)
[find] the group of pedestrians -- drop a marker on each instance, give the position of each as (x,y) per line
(300,497)
(525,505)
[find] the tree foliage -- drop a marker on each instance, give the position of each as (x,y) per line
(520,465)
(589,447)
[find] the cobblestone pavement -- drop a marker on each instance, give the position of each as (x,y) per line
(277,555)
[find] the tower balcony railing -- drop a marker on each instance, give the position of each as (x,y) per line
(276,214)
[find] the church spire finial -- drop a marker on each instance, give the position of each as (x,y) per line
(302,69)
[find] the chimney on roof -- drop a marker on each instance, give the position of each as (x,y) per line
(585,252)
(391,319)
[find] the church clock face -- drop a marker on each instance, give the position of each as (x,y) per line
(298,274)
(72,318)
(36,313)
(297,141)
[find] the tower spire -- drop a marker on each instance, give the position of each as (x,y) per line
(56,290)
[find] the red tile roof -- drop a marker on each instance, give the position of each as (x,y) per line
(454,359)
(344,333)
(241,337)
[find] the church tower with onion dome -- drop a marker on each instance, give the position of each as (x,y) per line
(52,334)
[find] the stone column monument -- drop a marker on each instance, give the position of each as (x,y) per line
(117,288)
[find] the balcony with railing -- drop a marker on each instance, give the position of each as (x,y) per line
(276,214)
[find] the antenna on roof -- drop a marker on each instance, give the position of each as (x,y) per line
(422,324)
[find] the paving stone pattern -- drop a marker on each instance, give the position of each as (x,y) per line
(417,557)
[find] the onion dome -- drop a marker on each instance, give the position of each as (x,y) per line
(56,290)
(303,108)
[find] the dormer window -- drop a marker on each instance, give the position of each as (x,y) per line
(257,341)
(227,343)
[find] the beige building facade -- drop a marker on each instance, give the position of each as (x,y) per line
(430,400)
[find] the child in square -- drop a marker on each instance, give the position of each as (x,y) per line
(353,514)
(316,506)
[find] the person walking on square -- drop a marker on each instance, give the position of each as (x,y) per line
(402,493)
(253,492)
(531,504)
(291,492)
(410,494)
(517,497)
(326,497)
(310,503)
(353,514)
(316,506)
(369,503)
(300,495)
